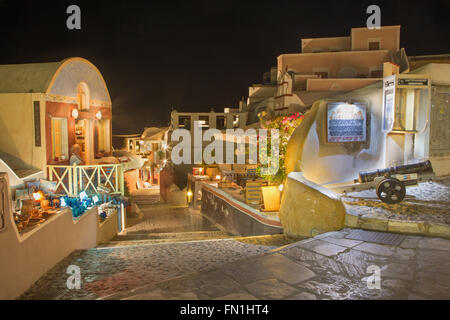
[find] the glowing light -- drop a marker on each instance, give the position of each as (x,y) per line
(164,146)
(83,195)
(38,195)
(189,193)
(281,187)
(141,142)
(75,113)
(98,115)
(62,202)
(95,199)
(218,177)
(165,161)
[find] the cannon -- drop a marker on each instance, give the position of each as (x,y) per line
(390,183)
(420,167)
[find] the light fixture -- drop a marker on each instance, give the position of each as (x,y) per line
(98,115)
(95,199)
(281,187)
(189,194)
(62,202)
(38,195)
(75,113)
(218,177)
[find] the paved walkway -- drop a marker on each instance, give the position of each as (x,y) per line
(329,266)
(106,271)
(425,210)
(163,219)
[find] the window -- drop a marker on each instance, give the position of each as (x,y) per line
(203,122)
(374,45)
(60,149)
(221,122)
(376,74)
(83,96)
(103,136)
(37,124)
(322,74)
(236,121)
(184,122)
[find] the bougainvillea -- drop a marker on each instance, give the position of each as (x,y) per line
(285,126)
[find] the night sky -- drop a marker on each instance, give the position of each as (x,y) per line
(196,55)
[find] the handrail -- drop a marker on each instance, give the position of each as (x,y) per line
(77,178)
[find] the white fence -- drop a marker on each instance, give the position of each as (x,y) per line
(72,180)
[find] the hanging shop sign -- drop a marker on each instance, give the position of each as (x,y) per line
(388,103)
(346,122)
(413,82)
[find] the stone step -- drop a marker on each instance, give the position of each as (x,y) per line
(170,235)
(127,242)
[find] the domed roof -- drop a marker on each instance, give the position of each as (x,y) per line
(28,77)
(55,78)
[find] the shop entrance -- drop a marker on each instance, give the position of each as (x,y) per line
(85,138)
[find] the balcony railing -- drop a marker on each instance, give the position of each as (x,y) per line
(71,180)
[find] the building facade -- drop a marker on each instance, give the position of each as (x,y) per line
(48,107)
(330,66)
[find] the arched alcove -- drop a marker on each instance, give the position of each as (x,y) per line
(83,96)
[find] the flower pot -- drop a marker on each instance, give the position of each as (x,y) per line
(271,198)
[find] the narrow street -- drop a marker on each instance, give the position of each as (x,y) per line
(175,253)
(160,244)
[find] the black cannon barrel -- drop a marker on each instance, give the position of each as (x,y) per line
(420,167)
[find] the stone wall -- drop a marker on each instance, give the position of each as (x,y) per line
(308,209)
(235,217)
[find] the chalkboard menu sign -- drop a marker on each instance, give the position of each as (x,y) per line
(37,124)
(346,122)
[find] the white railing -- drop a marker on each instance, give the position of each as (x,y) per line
(72,180)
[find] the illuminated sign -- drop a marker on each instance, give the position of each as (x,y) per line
(388,104)
(346,122)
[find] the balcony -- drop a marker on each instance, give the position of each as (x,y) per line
(93,179)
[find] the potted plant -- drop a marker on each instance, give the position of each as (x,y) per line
(285,126)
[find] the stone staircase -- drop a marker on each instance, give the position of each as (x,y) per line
(136,239)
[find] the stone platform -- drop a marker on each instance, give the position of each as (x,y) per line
(425,210)
(329,266)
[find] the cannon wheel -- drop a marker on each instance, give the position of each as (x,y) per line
(391,190)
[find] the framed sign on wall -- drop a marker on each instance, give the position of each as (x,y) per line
(388,104)
(346,122)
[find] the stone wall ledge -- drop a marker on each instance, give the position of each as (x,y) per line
(422,228)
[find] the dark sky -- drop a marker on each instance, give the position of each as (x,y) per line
(196,55)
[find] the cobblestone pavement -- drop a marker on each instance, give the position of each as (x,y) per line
(163,219)
(105,271)
(329,266)
(427,202)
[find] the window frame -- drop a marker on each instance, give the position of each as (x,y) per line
(64,139)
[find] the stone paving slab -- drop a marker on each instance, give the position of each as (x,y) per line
(312,269)
(425,210)
(107,271)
